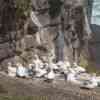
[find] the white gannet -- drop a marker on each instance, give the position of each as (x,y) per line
(63,68)
(63,65)
(50,75)
(40,73)
(60,64)
(38,63)
(91,83)
(71,77)
(46,66)
(39,67)
(31,69)
(67,63)
(53,66)
(31,66)
(78,68)
(98,80)
(21,70)
(11,70)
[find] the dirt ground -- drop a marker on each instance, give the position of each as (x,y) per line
(57,90)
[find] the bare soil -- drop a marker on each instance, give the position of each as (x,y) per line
(57,90)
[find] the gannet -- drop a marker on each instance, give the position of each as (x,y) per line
(50,75)
(77,68)
(11,70)
(21,70)
(40,73)
(71,77)
(38,63)
(90,84)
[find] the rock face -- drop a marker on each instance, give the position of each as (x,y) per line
(55,16)
(7,30)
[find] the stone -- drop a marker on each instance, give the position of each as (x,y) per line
(19,41)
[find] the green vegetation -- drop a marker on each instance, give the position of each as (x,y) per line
(23,7)
(89,65)
(83,61)
(54,11)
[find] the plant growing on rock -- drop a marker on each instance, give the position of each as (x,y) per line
(23,8)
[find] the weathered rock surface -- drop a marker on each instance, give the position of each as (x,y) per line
(24,44)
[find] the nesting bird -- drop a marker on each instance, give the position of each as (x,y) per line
(31,69)
(53,66)
(11,70)
(98,80)
(39,67)
(49,71)
(78,69)
(90,84)
(62,69)
(40,74)
(71,77)
(67,63)
(21,70)
(50,76)
(38,63)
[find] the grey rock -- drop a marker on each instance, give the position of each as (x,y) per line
(55,16)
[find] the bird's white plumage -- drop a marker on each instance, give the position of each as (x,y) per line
(11,70)
(51,75)
(21,70)
(40,72)
(71,78)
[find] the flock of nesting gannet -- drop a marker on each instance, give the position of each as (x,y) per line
(51,71)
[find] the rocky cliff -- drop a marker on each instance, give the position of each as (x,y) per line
(21,38)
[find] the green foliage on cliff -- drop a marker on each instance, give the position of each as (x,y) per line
(54,11)
(23,8)
(89,65)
